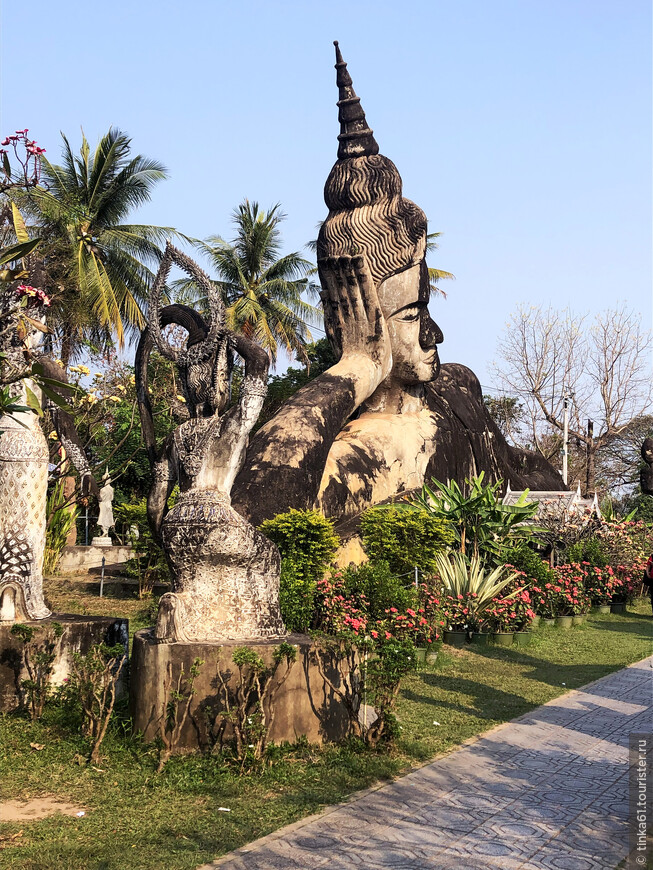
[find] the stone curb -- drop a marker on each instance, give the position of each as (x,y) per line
(359,795)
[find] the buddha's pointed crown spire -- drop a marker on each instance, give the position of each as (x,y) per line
(355,139)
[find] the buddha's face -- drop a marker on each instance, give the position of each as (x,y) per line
(414,335)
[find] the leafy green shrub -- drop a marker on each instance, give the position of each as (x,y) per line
(149,564)
(381,588)
(94,680)
(526,560)
(590,550)
(62,516)
(307,543)
(249,706)
(404,539)
(38,657)
(482,524)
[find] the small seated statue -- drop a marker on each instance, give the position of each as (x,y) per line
(225,572)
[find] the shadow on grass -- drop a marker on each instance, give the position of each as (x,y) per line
(486,701)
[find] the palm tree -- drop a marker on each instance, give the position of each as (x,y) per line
(93,264)
(261,289)
(436,275)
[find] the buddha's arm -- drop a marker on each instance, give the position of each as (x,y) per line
(286,459)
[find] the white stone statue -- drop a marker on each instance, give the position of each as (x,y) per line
(105,519)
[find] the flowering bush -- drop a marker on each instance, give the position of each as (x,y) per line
(512,610)
(339,610)
(336,610)
(626,543)
(600,583)
(30,161)
(459,611)
(629,582)
(541,601)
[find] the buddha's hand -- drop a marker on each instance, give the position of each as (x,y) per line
(355,323)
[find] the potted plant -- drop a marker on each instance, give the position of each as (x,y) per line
(567,594)
(600,583)
(625,587)
(458,619)
(500,621)
(470,590)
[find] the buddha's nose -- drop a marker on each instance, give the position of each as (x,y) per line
(430,333)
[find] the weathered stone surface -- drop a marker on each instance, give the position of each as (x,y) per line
(23,494)
(80,633)
(225,573)
(79,559)
(384,418)
(304,705)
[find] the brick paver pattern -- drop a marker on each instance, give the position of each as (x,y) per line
(547,790)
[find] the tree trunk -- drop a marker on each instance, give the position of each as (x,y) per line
(591,455)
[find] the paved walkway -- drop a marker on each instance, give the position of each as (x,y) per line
(547,790)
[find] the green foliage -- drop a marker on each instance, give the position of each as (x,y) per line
(94,679)
(149,565)
(380,588)
(180,694)
(589,550)
(405,539)
(367,671)
(642,504)
(483,526)
(38,658)
(262,290)
(307,542)
(395,659)
(249,706)
(94,262)
(61,517)
(471,582)
(525,559)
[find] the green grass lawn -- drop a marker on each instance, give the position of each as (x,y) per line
(137,819)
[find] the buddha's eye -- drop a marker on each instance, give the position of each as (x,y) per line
(409,314)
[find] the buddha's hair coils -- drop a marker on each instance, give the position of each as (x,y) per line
(368,215)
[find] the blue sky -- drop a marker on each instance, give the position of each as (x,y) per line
(521,127)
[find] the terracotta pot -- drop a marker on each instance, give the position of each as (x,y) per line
(503,638)
(618,607)
(455,638)
(481,638)
(564,621)
(523,638)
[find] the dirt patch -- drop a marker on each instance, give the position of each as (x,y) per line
(36,808)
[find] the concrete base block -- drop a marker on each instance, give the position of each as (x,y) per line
(77,560)
(80,633)
(304,705)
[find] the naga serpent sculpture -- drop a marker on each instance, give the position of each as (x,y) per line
(225,573)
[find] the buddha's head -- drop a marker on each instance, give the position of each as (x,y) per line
(368,215)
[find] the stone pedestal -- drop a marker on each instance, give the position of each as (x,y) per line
(304,705)
(77,560)
(102,541)
(80,633)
